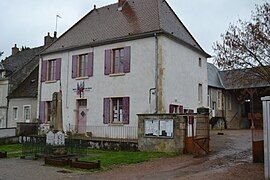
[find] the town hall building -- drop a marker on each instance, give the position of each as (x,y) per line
(120,60)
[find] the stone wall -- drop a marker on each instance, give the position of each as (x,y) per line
(176,143)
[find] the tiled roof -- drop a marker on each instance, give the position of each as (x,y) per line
(138,18)
(19,60)
(233,79)
(20,65)
(28,88)
(213,76)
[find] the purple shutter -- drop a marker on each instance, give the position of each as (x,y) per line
(126,110)
(171,108)
(106,111)
(127,51)
(107,63)
(74,66)
(42,112)
(191,117)
(58,69)
(90,64)
(44,71)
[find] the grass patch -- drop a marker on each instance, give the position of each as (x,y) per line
(13,150)
(112,158)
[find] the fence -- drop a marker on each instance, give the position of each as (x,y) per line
(7,132)
(110,132)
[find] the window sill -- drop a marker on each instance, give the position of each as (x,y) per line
(116,124)
(82,78)
(118,74)
(50,82)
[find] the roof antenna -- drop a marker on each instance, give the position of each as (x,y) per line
(56,22)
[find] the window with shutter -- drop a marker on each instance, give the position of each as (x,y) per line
(117,61)
(51,70)
(116,110)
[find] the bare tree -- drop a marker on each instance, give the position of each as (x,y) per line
(246,46)
(1,53)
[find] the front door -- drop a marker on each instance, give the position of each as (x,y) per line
(82,116)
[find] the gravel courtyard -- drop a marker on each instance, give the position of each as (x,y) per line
(230,159)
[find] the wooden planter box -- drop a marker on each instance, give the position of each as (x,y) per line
(3,154)
(57,162)
(85,165)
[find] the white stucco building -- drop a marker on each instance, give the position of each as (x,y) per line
(121,60)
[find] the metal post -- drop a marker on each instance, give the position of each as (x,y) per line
(266,121)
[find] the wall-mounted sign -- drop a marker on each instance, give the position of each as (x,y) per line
(80,89)
(159,128)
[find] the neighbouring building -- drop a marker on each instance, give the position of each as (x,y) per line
(124,59)
(235,99)
(18,84)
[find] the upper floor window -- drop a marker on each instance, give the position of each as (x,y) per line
(117,61)
(52,70)
(200,62)
(82,65)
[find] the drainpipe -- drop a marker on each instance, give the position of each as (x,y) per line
(39,87)
(156,71)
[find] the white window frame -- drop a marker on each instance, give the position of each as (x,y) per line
(51,70)
(24,119)
(219,100)
(119,113)
(117,63)
(82,65)
(17,114)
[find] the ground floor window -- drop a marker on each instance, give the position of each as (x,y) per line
(48,111)
(116,110)
(15,113)
(27,112)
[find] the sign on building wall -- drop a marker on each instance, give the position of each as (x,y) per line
(159,128)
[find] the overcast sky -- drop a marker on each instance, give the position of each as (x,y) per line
(26,22)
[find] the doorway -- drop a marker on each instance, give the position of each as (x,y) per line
(81,116)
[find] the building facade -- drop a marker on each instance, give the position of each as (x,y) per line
(106,79)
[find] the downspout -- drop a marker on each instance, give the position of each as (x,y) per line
(156,72)
(39,87)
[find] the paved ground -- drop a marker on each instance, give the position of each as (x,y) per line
(230,159)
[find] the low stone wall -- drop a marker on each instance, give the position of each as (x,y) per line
(176,143)
(113,145)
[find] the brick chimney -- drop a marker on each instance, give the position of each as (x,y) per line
(48,40)
(121,3)
(15,50)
